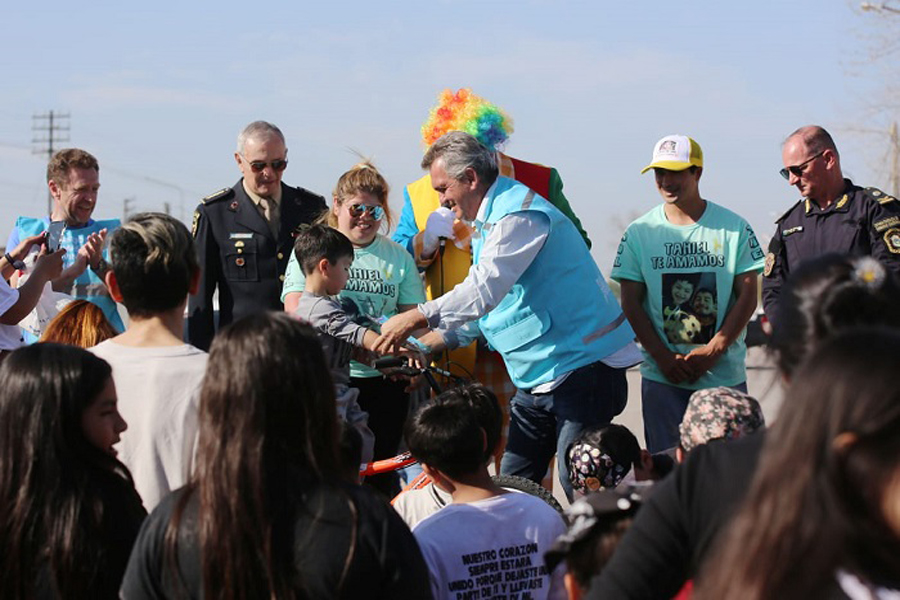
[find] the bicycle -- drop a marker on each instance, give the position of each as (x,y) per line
(405,459)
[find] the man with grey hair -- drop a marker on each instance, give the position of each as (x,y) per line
(539,300)
(833,215)
(245,234)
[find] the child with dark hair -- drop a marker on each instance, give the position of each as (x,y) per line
(69,513)
(153,268)
(610,457)
(414,505)
(325,255)
(488,540)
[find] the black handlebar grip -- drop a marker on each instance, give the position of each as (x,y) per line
(389,362)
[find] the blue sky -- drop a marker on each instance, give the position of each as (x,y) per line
(158,93)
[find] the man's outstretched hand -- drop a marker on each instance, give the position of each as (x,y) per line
(397,329)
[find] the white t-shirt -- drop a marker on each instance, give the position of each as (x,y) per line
(10,335)
(492,548)
(158,390)
(415,506)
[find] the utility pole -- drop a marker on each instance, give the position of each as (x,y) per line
(127,207)
(49,122)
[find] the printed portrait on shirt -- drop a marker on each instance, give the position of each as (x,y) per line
(690,307)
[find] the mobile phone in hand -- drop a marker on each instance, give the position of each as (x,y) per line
(54,235)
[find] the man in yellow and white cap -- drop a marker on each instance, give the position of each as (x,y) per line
(688,271)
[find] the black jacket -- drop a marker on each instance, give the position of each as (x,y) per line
(239,255)
(862,222)
(676,526)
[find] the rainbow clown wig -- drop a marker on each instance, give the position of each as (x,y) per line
(464,111)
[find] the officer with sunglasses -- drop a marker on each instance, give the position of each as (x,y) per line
(245,234)
(833,215)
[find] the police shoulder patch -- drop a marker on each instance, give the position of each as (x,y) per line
(892,240)
(770,264)
(879,196)
(219,195)
(195,223)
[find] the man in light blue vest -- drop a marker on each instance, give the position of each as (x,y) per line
(538,298)
(73,177)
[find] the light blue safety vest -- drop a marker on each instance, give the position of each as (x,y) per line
(87,286)
(560,315)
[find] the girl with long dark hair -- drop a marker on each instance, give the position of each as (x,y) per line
(822,517)
(69,512)
(265,513)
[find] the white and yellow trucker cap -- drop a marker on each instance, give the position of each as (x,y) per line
(676,153)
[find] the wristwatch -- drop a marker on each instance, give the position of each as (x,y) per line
(17,264)
(101,268)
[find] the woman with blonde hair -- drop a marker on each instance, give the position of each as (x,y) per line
(384,280)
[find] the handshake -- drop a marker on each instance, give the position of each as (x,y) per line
(439,225)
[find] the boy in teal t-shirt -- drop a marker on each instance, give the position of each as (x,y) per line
(688,270)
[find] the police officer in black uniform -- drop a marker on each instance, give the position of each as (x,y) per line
(245,234)
(834,215)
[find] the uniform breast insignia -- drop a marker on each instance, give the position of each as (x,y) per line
(195,223)
(233,206)
(792,231)
(239,261)
(770,264)
(892,240)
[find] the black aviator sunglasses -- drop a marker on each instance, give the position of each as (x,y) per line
(797,170)
(258,165)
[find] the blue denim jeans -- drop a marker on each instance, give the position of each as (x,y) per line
(541,424)
(663,406)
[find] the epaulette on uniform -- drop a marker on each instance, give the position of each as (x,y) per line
(219,195)
(879,196)
(788,211)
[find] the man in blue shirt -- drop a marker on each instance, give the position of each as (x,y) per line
(73,177)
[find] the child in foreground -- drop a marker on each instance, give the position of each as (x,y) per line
(489,542)
(415,505)
(325,255)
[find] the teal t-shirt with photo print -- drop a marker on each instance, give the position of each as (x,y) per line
(689,271)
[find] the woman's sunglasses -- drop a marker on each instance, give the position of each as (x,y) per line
(358,210)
